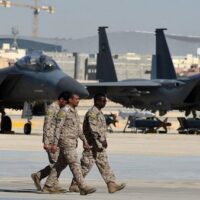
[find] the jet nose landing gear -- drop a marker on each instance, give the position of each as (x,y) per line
(6,123)
(27,114)
(27,128)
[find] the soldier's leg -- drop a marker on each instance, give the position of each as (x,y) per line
(107,173)
(104,167)
(53,157)
(43,173)
(87,161)
(75,168)
(56,170)
(72,159)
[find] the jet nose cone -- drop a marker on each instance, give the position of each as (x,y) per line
(71,85)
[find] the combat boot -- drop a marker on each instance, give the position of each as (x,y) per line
(36,181)
(87,190)
(58,188)
(74,187)
(114,187)
(53,190)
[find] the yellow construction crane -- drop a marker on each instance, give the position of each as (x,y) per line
(36,10)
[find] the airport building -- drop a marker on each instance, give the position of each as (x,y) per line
(132,53)
(9,55)
(31,44)
(129,65)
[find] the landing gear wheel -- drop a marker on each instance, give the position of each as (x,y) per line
(6,124)
(27,128)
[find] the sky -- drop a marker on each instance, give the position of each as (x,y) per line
(81,18)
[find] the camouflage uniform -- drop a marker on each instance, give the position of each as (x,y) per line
(48,137)
(95,128)
(66,137)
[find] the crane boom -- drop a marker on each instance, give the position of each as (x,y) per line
(36,10)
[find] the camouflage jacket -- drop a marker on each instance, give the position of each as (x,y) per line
(68,128)
(50,123)
(94,127)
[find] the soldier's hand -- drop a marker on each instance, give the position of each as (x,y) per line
(87,146)
(54,148)
(46,147)
(105,144)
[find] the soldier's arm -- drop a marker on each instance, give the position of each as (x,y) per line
(59,124)
(49,121)
(98,135)
(83,138)
(80,132)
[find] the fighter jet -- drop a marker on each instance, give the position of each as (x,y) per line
(164,92)
(29,84)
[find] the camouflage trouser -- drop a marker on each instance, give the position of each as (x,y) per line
(43,173)
(53,157)
(66,157)
(90,157)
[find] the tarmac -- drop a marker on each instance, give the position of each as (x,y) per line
(153,166)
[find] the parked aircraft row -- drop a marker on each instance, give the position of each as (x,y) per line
(36,79)
(164,92)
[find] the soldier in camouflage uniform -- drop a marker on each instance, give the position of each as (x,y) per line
(66,138)
(48,131)
(95,128)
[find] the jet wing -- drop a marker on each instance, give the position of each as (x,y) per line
(123,88)
(124,84)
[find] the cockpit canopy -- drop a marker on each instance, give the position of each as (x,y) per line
(36,62)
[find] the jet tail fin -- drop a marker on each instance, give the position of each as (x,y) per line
(153,67)
(164,68)
(105,66)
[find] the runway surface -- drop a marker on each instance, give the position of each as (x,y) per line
(153,167)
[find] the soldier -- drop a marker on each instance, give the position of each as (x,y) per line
(94,128)
(48,131)
(67,132)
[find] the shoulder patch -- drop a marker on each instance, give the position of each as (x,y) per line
(92,115)
(49,112)
(61,114)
